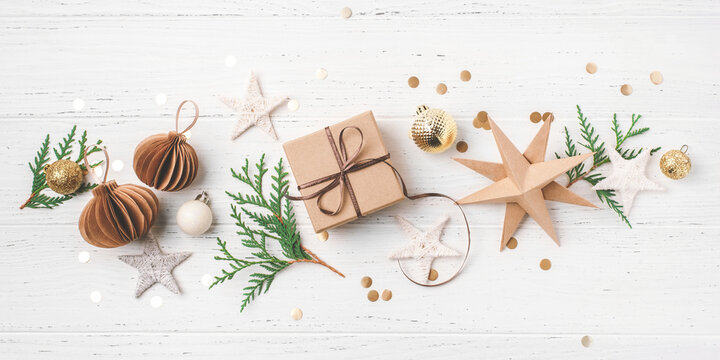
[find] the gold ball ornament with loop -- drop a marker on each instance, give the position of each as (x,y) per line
(675,164)
(433,130)
(64,176)
(195,217)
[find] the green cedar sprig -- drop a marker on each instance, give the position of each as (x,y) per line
(275,220)
(591,141)
(64,149)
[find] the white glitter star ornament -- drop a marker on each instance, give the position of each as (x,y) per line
(154,266)
(627,177)
(424,247)
(254,110)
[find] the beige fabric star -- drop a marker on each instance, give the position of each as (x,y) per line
(154,266)
(254,110)
(627,177)
(535,153)
(523,185)
(424,247)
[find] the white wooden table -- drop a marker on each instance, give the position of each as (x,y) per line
(649,292)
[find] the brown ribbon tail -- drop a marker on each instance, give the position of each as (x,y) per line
(467,227)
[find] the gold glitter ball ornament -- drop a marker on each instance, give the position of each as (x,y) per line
(433,130)
(64,176)
(675,164)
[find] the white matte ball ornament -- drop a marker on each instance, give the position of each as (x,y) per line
(195,217)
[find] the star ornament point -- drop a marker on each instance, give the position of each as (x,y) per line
(523,181)
(155,266)
(254,110)
(628,177)
(423,247)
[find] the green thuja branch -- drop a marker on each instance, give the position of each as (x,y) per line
(269,217)
(37,198)
(591,141)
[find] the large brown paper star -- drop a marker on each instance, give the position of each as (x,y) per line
(524,182)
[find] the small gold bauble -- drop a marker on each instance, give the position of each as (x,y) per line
(433,130)
(675,164)
(64,176)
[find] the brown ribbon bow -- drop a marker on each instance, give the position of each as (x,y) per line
(347,164)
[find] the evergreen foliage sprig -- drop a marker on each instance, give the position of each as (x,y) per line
(591,141)
(63,150)
(271,217)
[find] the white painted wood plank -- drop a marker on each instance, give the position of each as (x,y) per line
(650,292)
(645,281)
(326,346)
(118,65)
(362,9)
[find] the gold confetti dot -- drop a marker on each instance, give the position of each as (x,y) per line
(547,115)
(386,295)
(545,264)
(413,82)
(322,236)
(296,314)
(465,75)
(586,341)
(626,89)
(366,282)
(372,295)
(535,117)
(441,89)
(433,275)
(512,243)
(656,77)
(461,146)
(481,120)
(591,68)
(346,12)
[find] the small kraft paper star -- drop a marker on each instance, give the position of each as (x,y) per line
(627,177)
(424,247)
(535,153)
(524,182)
(254,110)
(155,266)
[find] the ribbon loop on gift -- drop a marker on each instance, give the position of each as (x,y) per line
(346,164)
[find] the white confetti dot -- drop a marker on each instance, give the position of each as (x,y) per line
(118,165)
(78,104)
(293,105)
(99,172)
(95,296)
(207,280)
(321,74)
(83,257)
(230,61)
(160,99)
(156,301)
(188,134)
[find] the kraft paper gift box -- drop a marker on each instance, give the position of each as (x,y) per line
(316,167)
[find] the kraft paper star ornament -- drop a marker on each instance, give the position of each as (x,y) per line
(627,177)
(155,266)
(524,182)
(424,247)
(254,110)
